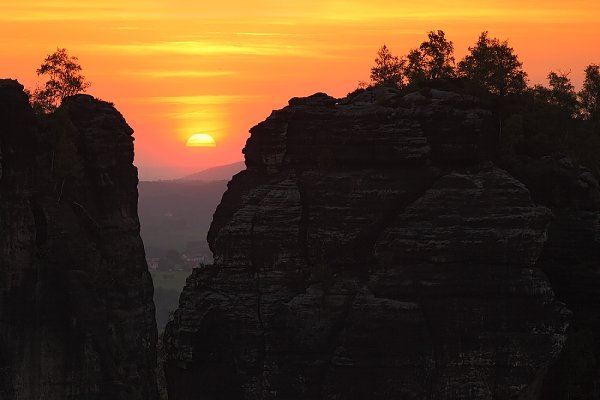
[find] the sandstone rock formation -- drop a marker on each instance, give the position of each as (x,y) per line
(371,250)
(571,260)
(76,310)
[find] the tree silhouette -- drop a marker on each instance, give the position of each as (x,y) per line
(561,93)
(494,66)
(64,79)
(590,93)
(415,71)
(434,58)
(388,69)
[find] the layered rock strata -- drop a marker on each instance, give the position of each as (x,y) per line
(76,310)
(369,250)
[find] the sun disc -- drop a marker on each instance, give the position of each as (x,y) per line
(201,140)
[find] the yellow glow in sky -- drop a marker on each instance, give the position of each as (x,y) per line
(200,140)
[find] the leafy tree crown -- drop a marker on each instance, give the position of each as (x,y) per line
(433,59)
(494,65)
(590,93)
(388,69)
(64,79)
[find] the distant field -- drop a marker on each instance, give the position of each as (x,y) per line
(167,288)
(174,280)
(175,215)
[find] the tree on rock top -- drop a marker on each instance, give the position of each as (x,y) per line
(388,69)
(433,59)
(590,93)
(494,66)
(64,79)
(561,93)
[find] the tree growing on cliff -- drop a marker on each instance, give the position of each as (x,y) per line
(561,93)
(64,79)
(415,72)
(590,93)
(494,66)
(388,69)
(432,60)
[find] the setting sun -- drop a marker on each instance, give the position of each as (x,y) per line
(200,140)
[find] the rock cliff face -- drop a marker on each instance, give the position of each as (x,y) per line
(76,310)
(571,260)
(370,251)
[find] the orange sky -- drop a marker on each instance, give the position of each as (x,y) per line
(178,67)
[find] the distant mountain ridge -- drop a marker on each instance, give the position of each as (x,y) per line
(218,173)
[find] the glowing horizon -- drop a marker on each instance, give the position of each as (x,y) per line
(220,68)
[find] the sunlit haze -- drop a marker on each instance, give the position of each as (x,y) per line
(179,67)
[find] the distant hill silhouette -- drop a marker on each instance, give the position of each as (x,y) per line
(221,172)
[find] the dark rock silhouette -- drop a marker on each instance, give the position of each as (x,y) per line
(570,259)
(76,311)
(371,249)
